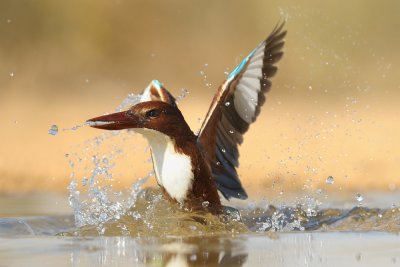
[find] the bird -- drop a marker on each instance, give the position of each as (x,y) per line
(191,168)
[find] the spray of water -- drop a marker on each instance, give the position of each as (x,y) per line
(92,197)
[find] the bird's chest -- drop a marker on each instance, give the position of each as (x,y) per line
(173,169)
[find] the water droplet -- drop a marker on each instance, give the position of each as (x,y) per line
(311,212)
(223,150)
(103,216)
(184,93)
(136,215)
(231,131)
(53,130)
(202,73)
(193,257)
(330,180)
(359,197)
(12,74)
(101,230)
(205,204)
(226,73)
(206,65)
(227,104)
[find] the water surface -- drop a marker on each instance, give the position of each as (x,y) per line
(147,236)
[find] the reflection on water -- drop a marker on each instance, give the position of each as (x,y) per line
(193,251)
(283,249)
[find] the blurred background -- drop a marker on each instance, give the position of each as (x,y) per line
(333,109)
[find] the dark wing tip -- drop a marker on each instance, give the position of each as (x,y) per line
(229,193)
(279,26)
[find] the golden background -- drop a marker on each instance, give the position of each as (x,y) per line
(333,108)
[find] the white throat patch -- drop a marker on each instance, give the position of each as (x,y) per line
(173,170)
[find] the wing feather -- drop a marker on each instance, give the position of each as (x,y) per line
(235,106)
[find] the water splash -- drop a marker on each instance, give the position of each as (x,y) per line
(92,197)
(359,198)
(330,180)
(131,100)
(100,204)
(76,127)
(183,94)
(143,219)
(203,74)
(53,130)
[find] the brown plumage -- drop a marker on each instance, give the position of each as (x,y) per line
(203,164)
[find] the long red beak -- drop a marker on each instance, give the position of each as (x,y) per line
(115,121)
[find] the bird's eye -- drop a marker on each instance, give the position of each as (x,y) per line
(153,113)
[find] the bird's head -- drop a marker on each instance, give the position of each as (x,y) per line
(152,115)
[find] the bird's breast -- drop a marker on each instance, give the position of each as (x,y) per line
(174,171)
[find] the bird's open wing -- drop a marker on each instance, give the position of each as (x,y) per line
(235,106)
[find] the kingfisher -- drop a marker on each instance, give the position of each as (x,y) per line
(191,168)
